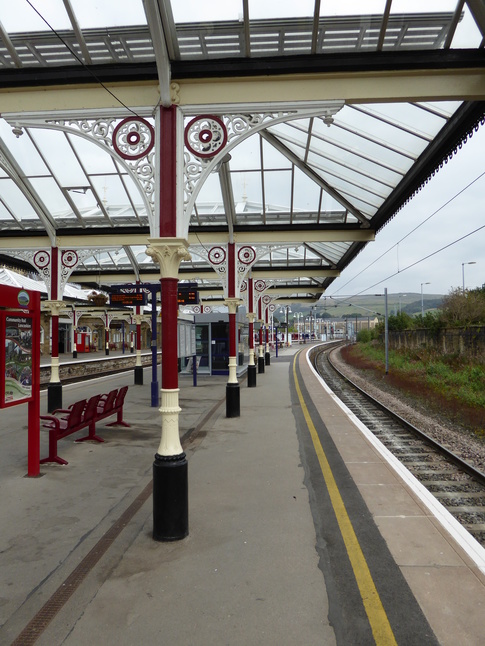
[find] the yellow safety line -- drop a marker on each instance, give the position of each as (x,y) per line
(381,628)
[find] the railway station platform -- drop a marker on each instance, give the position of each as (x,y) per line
(301,532)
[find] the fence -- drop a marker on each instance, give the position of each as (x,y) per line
(469,341)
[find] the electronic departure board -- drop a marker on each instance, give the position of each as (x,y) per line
(120,298)
(188,294)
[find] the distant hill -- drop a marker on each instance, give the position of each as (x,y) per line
(367,305)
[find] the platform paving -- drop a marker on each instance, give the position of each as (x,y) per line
(246,574)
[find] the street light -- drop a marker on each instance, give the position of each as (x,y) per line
(297,316)
(422,305)
(286,308)
(472,262)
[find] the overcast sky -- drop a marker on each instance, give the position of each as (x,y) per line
(444,216)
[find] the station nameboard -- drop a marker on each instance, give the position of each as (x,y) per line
(131,300)
(187,294)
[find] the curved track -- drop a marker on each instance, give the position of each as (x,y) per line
(455,483)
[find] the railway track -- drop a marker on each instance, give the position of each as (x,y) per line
(455,483)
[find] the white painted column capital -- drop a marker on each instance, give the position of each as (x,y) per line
(232,304)
(168,253)
(53,307)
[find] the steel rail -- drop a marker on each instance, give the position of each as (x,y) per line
(462,464)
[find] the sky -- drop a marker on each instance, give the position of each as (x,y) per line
(427,241)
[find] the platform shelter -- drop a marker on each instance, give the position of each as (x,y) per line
(310,126)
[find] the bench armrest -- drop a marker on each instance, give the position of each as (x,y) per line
(52,418)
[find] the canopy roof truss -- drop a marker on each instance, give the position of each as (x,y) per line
(347,115)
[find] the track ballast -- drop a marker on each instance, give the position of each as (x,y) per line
(455,483)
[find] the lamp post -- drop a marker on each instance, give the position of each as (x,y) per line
(422,303)
(472,262)
(286,308)
(297,316)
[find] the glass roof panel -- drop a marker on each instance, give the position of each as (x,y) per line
(15,201)
(112,13)
(422,6)
(270,9)
(196,11)
(110,189)
(50,194)
(55,148)
(24,151)
(246,155)
(277,188)
(273,159)
(211,190)
(333,251)
(467,34)
(4,212)
(26,19)
(93,157)
(352,8)
(306,192)
(85,202)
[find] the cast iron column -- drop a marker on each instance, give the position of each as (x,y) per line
(154,383)
(170,469)
(73,335)
(138,364)
(251,365)
(54,388)
(106,334)
(233,407)
(260,348)
(267,355)
(251,316)
(232,386)
(170,474)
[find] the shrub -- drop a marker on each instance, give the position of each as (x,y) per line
(364,336)
(461,309)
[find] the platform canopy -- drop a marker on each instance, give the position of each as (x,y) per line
(335,112)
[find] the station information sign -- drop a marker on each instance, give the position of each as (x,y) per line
(188,294)
(128,299)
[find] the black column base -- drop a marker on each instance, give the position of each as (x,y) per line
(267,359)
(74,354)
(138,375)
(252,376)
(170,498)
(54,396)
(233,408)
(107,352)
(260,365)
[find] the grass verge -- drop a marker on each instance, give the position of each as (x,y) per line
(448,385)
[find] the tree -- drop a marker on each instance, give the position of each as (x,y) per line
(461,309)
(399,322)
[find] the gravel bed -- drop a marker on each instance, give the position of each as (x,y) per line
(457,439)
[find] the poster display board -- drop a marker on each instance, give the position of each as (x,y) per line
(186,339)
(16,330)
(20,361)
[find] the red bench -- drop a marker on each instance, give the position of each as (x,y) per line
(82,414)
(112,404)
